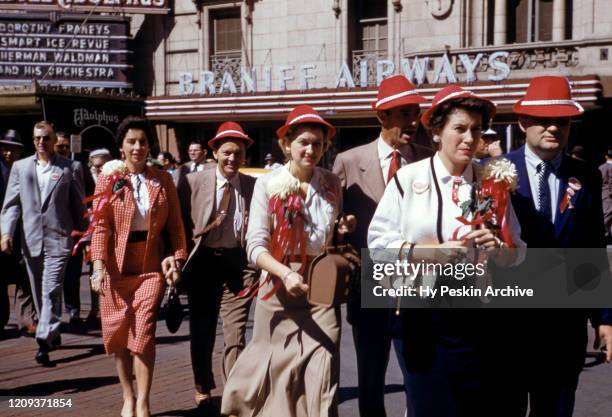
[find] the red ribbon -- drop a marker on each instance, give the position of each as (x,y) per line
(288,235)
(498,191)
(95,214)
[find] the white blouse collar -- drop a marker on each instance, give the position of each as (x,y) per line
(445,177)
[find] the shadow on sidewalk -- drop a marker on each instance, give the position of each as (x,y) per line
(67,386)
(212,410)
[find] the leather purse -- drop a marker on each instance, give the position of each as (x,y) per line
(173,310)
(330,272)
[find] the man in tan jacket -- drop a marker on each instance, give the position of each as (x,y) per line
(364,172)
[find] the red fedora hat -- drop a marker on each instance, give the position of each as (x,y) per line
(305,114)
(449,93)
(548,96)
(396,91)
(230,130)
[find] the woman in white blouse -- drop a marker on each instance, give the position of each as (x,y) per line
(445,350)
(291,366)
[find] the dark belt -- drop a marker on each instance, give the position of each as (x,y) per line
(223,251)
(138,236)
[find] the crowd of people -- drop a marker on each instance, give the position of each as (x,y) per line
(227,239)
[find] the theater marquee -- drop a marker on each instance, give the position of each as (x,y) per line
(123,6)
(93,54)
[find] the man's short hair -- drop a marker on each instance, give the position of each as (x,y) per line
(43,123)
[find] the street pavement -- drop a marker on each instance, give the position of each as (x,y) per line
(86,376)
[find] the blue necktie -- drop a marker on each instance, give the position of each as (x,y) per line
(544,169)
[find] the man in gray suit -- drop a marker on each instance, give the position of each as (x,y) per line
(46,191)
(364,172)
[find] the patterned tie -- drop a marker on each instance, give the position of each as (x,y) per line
(544,169)
(394,166)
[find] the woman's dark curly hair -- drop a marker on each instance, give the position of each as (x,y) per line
(140,123)
(439,117)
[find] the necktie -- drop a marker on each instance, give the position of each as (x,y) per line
(194,167)
(544,169)
(138,184)
(394,166)
(222,211)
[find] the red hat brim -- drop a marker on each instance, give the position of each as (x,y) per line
(427,114)
(549,110)
(331,131)
(226,135)
(399,102)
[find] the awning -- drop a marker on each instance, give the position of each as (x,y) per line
(335,103)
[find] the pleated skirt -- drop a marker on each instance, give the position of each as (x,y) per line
(291,367)
(130,304)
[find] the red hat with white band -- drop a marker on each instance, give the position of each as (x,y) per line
(396,91)
(548,96)
(230,130)
(305,114)
(453,92)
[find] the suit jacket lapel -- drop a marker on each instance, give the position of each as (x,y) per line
(204,197)
(524,188)
(32,178)
(56,174)
(371,172)
(153,187)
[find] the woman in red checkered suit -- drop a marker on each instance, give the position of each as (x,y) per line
(128,251)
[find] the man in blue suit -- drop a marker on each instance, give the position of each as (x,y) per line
(548,381)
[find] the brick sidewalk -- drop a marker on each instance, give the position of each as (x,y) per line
(87,376)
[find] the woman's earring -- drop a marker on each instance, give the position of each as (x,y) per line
(436,138)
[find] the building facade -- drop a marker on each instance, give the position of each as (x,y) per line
(253,60)
(202,62)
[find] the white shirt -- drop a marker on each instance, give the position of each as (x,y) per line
(385,152)
(531,162)
(199,168)
(140,220)
(43,174)
(413,217)
(227,235)
(318,211)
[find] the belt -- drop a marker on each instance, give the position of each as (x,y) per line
(223,251)
(138,236)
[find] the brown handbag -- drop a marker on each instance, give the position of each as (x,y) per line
(329,274)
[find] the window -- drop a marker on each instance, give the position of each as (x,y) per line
(530,20)
(226,36)
(374,35)
(225,44)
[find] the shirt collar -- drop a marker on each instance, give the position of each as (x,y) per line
(445,177)
(51,161)
(221,180)
(384,150)
(534,160)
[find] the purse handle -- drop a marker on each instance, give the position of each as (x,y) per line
(337,238)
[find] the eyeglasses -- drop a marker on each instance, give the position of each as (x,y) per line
(45,138)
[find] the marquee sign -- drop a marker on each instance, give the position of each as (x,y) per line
(416,69)
(124,6)
(94,53)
